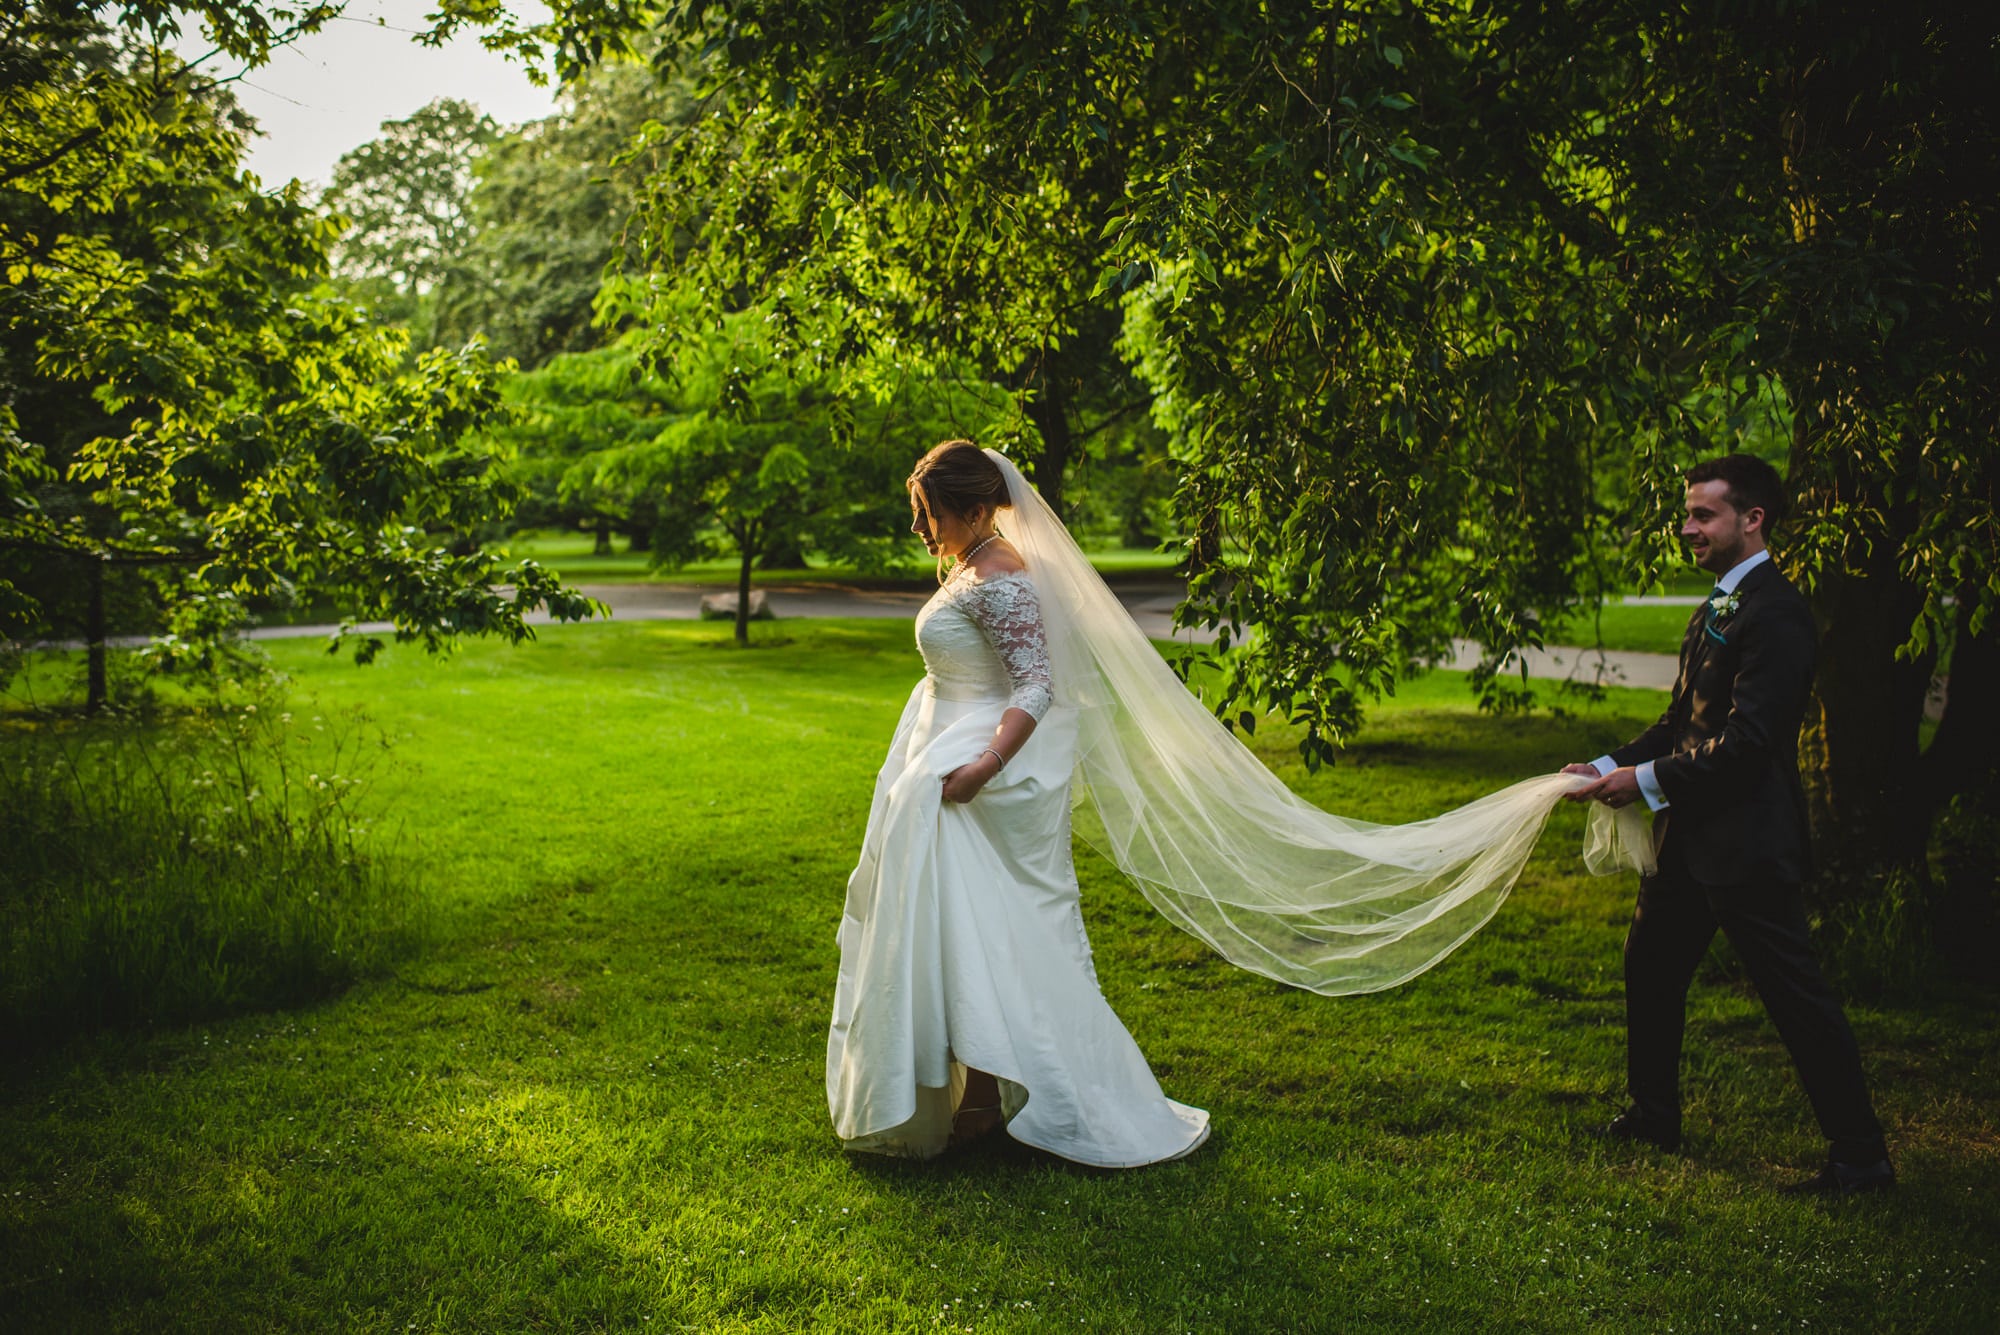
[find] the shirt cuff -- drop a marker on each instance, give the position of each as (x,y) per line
(1603,765)
(1649,787)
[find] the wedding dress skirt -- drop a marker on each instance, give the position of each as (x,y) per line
(962,945)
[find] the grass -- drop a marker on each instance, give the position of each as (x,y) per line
(573,556)
(1627,628)
(596,1102)
(203,862)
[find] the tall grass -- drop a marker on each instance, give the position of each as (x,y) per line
(175,866)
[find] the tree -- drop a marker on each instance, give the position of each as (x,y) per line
(180,398)
(904,186)
(549,212)
(737,454)
(868,263)
(1869,295)
(569,418)
(405,199)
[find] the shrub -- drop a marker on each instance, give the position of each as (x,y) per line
(166,868)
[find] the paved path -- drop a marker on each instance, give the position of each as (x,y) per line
(1151,603)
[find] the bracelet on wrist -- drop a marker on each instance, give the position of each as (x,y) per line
(999,760)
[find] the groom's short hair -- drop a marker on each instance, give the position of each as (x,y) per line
(1752,485)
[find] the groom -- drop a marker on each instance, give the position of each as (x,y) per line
(1720,769)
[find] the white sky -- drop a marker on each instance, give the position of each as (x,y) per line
(330,92)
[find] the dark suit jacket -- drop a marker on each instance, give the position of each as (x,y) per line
(1726,751)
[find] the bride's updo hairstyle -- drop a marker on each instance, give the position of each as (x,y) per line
(956,477)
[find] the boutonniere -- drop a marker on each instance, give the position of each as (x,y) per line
(1720,608)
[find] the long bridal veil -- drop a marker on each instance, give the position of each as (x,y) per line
(1226,851)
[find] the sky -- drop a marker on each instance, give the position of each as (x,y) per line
(329,92)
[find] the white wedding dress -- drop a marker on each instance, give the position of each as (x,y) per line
(962,943)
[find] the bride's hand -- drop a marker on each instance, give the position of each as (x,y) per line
(963,784)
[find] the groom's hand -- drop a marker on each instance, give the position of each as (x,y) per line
(1619,788)
(1580,793)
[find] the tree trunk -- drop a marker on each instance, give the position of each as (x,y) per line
(1962,780)
(1049,411)
(603,547)
(1965,752)
(1869,814)
(746,548)
(96,653)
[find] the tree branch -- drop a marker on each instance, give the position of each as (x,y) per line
(1114,416)
(53,156)
(107,554)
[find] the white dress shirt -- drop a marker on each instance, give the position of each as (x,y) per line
(1649,786)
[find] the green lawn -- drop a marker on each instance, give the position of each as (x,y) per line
(572,555)
(1628,628)
(595,1101)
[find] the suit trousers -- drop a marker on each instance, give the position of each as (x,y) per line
(1674,922)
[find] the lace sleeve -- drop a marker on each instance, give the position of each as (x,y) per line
(1008,613)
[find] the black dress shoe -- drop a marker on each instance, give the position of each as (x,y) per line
(1845,1179)
(1630,1127)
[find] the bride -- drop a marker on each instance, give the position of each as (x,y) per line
(966,998)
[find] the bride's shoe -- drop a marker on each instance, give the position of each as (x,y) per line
(970,1124)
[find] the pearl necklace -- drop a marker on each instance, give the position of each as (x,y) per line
(976,547)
